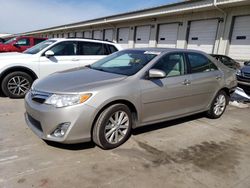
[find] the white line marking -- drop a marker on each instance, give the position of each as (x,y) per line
(9,158)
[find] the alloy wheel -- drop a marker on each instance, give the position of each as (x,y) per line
(18,85)
(219,105)
(117,127)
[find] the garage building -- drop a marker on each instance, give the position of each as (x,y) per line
(213,26)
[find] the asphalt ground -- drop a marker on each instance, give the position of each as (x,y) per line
(188,152)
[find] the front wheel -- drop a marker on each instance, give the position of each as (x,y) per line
(16,84)
(218,105)
(112,127)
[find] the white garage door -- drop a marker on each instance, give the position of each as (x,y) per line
(202,35)
(240,41)
(72,34)
(142,36)
(97,35)
(167,35)
(79,34)
(108,34)
(87,34)
(123,37)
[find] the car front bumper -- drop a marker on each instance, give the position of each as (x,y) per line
(44,119)
(243,81)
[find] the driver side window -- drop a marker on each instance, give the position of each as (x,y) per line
(171,64)
(23,42)
(65,48)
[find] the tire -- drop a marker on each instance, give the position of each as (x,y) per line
(16,84)
(218,105)
(107,132)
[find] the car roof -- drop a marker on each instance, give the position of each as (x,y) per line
(166,50)
(82,39)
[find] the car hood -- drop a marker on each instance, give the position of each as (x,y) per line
(245,69)
(13,55)
(76,80)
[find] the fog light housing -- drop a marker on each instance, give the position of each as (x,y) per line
(61,130)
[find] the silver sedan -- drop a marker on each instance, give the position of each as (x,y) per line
(102,102)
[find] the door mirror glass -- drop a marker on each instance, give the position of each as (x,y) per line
(156,73)
(247,63)
(49,53)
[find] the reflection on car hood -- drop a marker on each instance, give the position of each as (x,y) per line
(13,55)
(76,80)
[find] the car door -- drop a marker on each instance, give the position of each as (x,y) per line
(90,52)
(65,57)
(23,44)
(168,97)
(205,80)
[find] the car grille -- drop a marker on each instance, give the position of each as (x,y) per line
(246,74)
(35,123)
(39,97)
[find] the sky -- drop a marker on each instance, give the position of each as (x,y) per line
(17,16)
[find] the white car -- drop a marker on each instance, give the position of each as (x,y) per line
(19,70)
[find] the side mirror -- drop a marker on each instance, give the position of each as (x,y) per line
(247,63)
(16,45)
(49,53)
(156,73)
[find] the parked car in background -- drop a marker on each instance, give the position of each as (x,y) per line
(20,44)
(228,61)
(1,40)
(243,77)
(19,70)
(128,89)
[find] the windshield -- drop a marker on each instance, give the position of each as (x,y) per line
(127,62)
(10,40)
(37,48)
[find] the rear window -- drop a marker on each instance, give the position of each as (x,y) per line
(200,63)
(92,48)
(112,48)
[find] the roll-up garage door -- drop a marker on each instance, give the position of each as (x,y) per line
(79,34)
(72,34)
(240,40)
(142,36)
(202,35)
(167,35)
(97,35)
(108,34)
(123,37)
(87,34)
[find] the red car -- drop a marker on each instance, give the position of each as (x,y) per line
(19,44)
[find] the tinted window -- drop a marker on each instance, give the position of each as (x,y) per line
(65,48)
(200,63)
(112,49)
(23,42)
(171,64)
(91,48)
(36,41)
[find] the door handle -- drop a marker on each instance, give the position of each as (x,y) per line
(186,82)
(75,59)
(218,77)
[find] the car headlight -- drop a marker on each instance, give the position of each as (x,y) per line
(238,72)
(67,100)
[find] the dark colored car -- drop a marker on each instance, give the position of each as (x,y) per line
(228,61)
(19,44)
(243,77)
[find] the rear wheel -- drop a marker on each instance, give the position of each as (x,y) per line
(112,127)
(218,105)
(16,84)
